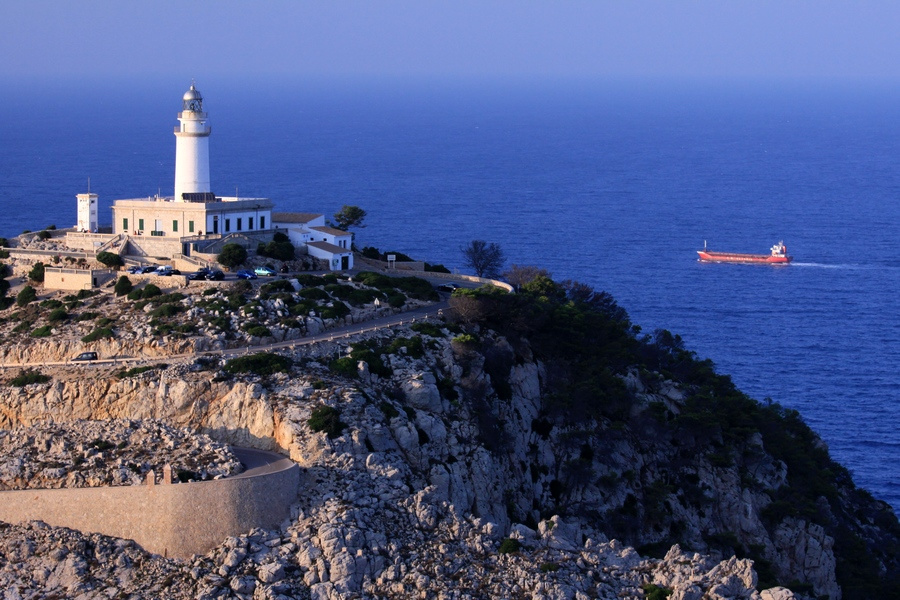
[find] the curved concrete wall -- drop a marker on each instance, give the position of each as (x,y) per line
(169,519)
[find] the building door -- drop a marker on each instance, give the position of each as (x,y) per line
(215,224)
(345,262)
(186,249)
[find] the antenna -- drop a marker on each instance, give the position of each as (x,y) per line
(89,185)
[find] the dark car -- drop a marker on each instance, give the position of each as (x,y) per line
(246,274)
(148,269)
(86,356)
(200,275)
(134,269)
(215,275)
(448,287)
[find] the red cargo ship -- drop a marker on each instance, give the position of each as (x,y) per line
(778,256)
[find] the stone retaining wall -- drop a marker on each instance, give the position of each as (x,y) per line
(175,520)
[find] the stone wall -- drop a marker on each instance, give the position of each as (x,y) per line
(56,278)
(175,520)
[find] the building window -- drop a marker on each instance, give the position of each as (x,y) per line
(239,224)
(140,224)
(250,223)
(174,226)
(227,225)
(262,222)
(125,225)
(190,227)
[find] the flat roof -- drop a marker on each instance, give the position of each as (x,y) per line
(330,230)
(330,248)
(294,217)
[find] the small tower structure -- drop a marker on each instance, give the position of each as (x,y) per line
(191,148)
(87,212)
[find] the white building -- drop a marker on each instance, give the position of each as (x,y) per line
(322,242)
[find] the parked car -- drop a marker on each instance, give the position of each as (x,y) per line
(148,269)
(448,287)
(134,269)
(245,274)
(215,275)
(264,271)
(165,270)
(200,275)
(86,356)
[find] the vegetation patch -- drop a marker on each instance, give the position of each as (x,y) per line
(99,333)
(326,419)
(261,363)
(28,377)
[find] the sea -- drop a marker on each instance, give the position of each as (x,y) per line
(615,184)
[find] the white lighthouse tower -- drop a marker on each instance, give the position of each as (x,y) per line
(191,147)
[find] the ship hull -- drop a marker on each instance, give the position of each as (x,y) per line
(733,257)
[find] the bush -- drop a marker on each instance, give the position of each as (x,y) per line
(258,331)
(138,370)
(326,419)
(150,291)
(4,242)
(436,268)
(99,333)
(42,331)
(28,377)
(110,259)
(26,296)
(232,255)
(58,314)
(654,592)
(314,294)
(427,329)
(123,286)
(279,285)
(277,250)
(36,273)
(167,310)
(44,234)
(509,545)
(261,363)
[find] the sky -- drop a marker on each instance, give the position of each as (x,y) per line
(455,39)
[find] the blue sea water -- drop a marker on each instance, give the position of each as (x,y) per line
(615,185)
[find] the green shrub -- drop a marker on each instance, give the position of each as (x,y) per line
(123,286)
(28,377)
(465,339)
(549,567)
(4,242)
(51,304)
(167,310)
(261,363)
(388,409)
(104,321)
(258,331)
(307,280)
(26,296)
(42,331)
(345,366)
(43,234)
(83,294)
(279,285)
(110,259)
(337,310)
(509,545)
(232,256)
(314,293)
(57,314)
(150,291)
(436,268)
(87,316)
(655,592)
(99,333)
(429,329)
(138,370)
(326,419)
(36,273)
(396,300)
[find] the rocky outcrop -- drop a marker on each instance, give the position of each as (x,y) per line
(442,462)
(103,453)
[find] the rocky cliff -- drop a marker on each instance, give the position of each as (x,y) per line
(536,448)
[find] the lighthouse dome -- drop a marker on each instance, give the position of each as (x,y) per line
(193,100)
